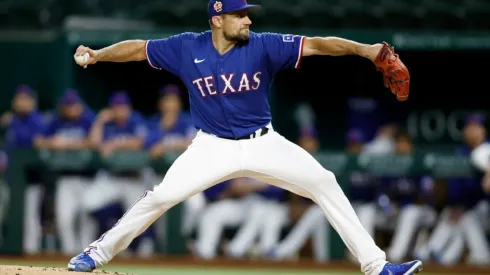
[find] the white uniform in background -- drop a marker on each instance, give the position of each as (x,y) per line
(449,238)
(249,213)
(311,224)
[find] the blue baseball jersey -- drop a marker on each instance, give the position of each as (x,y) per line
(465,191)
(228,93)
(71,129)
(273,193)
(213,193)
(362,187)
(407,190)
(22,130)
(135,126)
(156,118)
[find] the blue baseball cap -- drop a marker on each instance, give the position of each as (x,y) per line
(476,118)
(25,90)
(120,98)
(355,135)
(70,97)
(170,89)
(308,132)
(218,7)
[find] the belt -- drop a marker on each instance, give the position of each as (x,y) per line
(260,132)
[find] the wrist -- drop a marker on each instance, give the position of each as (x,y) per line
(370,51)
(98,55)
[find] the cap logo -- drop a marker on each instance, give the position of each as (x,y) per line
(218,6)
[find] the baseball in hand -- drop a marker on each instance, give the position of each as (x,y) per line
(82,59)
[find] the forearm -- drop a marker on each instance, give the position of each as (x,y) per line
(125,51)
(80,144)
(336,46)
(41,143)
(129,144)
(486,182)
(96,134)
(179,146)
(156,152)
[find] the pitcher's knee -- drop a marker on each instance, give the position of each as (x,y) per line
(168,196)
(324,181)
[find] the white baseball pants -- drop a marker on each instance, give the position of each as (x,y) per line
(271,159)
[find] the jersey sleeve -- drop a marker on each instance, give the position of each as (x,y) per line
(140,130)
(284,51)
(153,138)
(40,125)
(166,53)
(51,129)
(88,123)
(106,135)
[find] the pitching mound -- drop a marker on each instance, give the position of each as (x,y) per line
(35,270)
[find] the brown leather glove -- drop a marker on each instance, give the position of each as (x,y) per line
(395,75)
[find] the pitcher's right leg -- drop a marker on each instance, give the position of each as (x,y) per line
(207,161)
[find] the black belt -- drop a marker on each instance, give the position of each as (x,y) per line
(261,132)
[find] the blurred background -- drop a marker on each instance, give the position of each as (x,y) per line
(407,167)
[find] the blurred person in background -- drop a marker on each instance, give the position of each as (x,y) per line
(383,142)
(309,217)
(362,186)
(237,205)
(4,194)
(406,200)
(267,217)
(171,133)
(69,130)
(208,196)
(24,126)
(118,128)
(171,116)
(480,157)
(461,223)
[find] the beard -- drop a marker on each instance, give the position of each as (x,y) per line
(240,36)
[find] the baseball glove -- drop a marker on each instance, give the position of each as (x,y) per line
(395,75)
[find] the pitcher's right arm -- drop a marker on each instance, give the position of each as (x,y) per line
(125,51)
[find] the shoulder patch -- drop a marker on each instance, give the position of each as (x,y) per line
(288,38)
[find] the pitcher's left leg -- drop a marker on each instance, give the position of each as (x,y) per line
(284,164)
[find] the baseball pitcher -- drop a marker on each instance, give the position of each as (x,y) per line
(228,71)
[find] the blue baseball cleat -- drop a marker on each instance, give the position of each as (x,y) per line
(409,268)
(81,263)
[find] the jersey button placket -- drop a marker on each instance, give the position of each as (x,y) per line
(220,71)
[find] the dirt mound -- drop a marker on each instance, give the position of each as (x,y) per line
(36,270)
